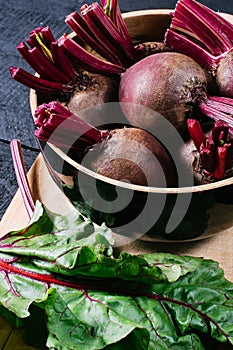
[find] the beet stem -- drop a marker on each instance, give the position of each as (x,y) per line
(78,25)
(216,150)
(21,176)
(217,111)
(200,33)
(192,49)
(88,61)
(220,132)
(57,125)
(40,58)
(108,33)
(34,82)
(104,30)
(206,25)
(62,62)
(207,158)
(41,34)
(47,67)
(110,9)
(227,100)
(196,133)
(220,165)
(49,61)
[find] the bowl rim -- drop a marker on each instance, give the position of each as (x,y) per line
(118,183)
(130,186)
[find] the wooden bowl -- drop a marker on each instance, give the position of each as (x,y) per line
(150,210)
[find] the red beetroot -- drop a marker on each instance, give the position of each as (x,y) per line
(168,83)
(151,47)
(90,97)
(224,75)
(127,154)
(134,155)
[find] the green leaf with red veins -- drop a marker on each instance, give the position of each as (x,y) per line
(94,320)
(71,245)
(92,300)
(18,292)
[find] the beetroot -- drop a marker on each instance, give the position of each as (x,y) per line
(168,83)
(224,75)
(151,47)
(127,154)
(134,155)
(95,91)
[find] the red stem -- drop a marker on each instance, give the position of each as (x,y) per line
(108,34)
(21,176)
(25,53)
(205,24)
(62,62)
(220,165)
(50,71)
(192,49)
(207,157)
(217,110)
(200,33)
(88,61)
(41,64)
(44,33)
(110,9)
(78,25)
(57,125)
(49,279)
(196,133)
(35,82)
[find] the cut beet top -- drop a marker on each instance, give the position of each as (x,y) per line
(207,37)
(127,154)
(215,151)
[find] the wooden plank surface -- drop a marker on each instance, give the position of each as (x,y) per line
(218,247)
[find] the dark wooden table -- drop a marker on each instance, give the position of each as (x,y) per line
(17,18)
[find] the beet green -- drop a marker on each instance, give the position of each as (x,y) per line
(66,267)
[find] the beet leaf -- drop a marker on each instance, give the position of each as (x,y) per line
(65,266)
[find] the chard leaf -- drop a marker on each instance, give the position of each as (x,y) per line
(94,320)
(93,300)
(51,233)
(71,245)
(17,291)
(127,266)
(58,238)
(173,313)
(47,236)
(82,319)
(202,301)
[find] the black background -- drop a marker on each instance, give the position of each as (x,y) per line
(17,19)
